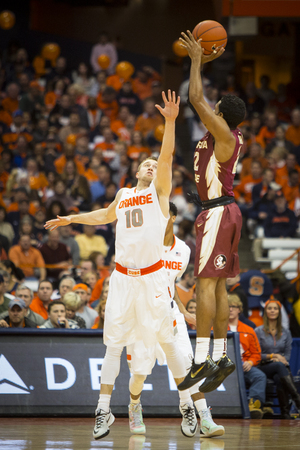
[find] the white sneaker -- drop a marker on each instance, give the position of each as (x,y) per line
(208,427)
(136,423)
(103,420)
(189,422)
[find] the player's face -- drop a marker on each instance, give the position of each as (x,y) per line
(147,170)
(272,311)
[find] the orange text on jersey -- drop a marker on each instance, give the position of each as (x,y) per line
(138,200)
(173,265)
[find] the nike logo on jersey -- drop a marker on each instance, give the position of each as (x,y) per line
(158,296)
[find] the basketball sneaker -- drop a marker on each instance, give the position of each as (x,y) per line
(198,372)
(189,422)
(103,420)
(208,428)
(226,367)
(136,423)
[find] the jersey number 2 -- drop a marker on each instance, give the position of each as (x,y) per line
(134,218)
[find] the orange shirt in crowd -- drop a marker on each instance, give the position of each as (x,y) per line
(250,343)
(14,206)
(282,174)
(145,124)
(26,261)
(244,189)
(185,295)
(38,307)
(108,151)
(115,82)
(90,175)
(246,165)
(133,152)
(10,138)
(290,192)
(10,105)
(38,181)
(50,100)
(99,285)
(5,117)
(293,134)
(62,161)
(116,125)
(109,109)
(3,180)
(265,136)
(144,90)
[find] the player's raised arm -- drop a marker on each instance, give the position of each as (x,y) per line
(163,180)
(98,217)
(218,128)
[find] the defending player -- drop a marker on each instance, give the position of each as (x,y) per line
(138,305)
(141,360)
(218,226)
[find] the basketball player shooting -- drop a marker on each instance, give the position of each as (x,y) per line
(218,226)
(138,305)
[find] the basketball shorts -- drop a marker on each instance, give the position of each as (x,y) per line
(141,360)
(218,232)
(138,308)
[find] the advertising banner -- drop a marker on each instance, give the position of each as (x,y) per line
(60,374)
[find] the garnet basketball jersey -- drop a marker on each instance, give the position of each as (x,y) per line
(140,228)
(213,178)
(175,261)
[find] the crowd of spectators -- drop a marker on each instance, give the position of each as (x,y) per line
(72,136)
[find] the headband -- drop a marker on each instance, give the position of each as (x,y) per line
(273,299)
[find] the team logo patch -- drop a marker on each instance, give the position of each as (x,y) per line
(220,261)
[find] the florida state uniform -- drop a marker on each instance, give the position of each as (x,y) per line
(138,305)
(141,360)
(218,226)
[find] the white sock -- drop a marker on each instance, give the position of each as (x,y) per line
(135,401)
(220,348)
(103,402)
(185,397)
(200,404)
(202,350)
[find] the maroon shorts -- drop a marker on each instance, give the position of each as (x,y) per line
(218,232)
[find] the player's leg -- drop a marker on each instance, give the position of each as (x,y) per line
(176,364)
(136,423)
(203,366)
(220,325)
(109,372)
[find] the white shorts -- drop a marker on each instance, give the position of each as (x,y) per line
(141,360)
(138,308)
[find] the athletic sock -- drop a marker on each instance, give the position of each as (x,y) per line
(200,404)
(103,403)
(202,350)
(135,401)
(185,397)
(220,348)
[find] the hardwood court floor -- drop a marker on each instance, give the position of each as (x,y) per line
(162,434)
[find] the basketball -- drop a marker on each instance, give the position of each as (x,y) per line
(212,33)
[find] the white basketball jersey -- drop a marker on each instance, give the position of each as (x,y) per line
(176,260)
(140,228)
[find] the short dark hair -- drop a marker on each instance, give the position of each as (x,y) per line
(233,109)
(55,302)
(173,209)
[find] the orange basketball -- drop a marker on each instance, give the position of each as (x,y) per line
(212,33)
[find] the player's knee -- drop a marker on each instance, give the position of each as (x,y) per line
(111,365)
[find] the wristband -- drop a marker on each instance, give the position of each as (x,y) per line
(271,355)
